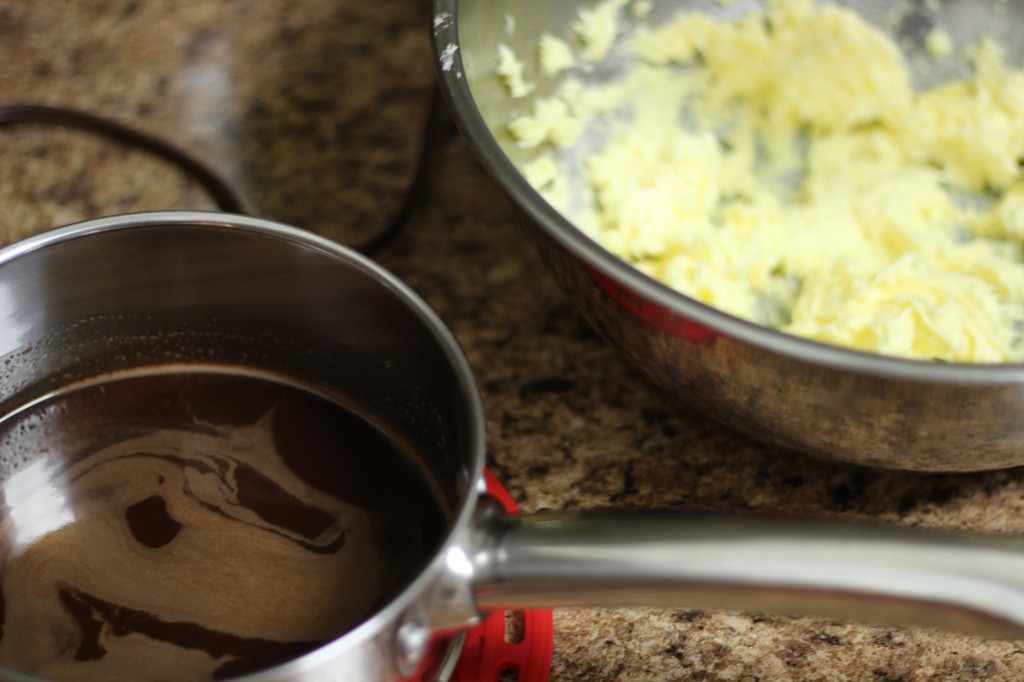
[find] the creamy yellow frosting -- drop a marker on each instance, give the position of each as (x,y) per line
(811,188)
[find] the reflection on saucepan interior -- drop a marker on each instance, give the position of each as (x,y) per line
(198,523)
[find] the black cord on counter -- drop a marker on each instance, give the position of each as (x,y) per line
(414,191)
(223,195)
(218,189)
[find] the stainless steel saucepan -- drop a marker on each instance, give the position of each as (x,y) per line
(131,291)
(830,402)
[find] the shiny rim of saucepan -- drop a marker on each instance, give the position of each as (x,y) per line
(909,414)
(488,560)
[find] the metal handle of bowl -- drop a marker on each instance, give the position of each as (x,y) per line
(870,573)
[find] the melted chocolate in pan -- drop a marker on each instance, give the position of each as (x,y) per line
(202,524)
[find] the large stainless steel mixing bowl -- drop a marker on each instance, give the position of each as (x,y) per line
(826,401)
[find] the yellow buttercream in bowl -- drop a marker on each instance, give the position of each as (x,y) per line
(781,167)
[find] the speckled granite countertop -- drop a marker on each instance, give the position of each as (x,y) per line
(314,109)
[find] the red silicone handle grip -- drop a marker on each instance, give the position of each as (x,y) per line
(487,652)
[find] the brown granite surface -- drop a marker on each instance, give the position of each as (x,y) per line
(313,108)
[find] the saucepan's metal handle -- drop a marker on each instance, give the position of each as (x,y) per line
(863,572)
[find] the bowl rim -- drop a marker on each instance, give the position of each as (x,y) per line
(455,87)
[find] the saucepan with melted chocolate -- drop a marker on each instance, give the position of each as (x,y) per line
(230,449)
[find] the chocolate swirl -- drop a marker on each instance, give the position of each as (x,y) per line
(198,526)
